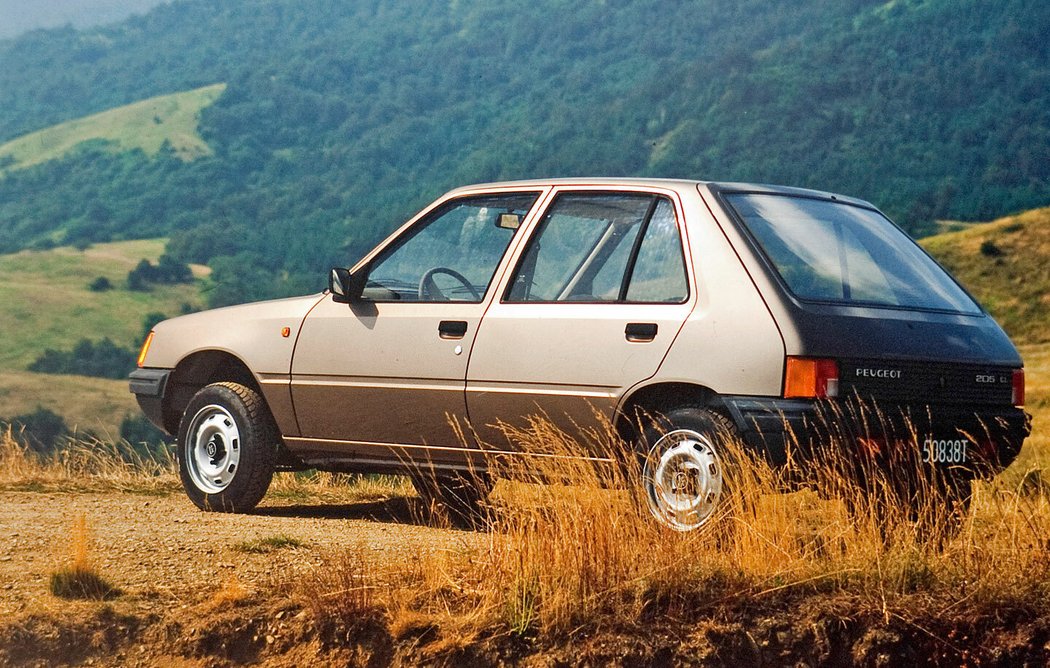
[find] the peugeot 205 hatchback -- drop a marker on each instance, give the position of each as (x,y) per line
(739,311)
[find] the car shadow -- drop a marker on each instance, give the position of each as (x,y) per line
(395,510)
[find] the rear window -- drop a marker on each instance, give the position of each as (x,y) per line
(835,252)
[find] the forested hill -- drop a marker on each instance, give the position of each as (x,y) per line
(339,117)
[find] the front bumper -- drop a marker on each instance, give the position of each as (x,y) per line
(148,386)
(777,427)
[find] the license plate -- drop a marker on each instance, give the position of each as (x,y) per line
(945,450)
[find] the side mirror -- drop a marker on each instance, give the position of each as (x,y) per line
(345,287)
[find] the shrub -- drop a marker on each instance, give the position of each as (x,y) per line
(143,437)
(989,249)
(43,429)
(168,270)
(101,359)
(100,284)
(149,322)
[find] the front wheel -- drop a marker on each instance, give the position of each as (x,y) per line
(683,456)
(227,447)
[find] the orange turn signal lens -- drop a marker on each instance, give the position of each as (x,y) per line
(145,349)
(808,378)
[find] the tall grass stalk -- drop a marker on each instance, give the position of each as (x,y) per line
(78,577)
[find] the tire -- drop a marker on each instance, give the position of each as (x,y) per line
(226,448)
(461,496)
(683,456)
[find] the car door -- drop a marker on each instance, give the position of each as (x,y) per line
(596,297)
(390,368)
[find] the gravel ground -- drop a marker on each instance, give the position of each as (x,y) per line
(162,551)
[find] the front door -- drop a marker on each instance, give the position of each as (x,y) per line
(390,369)
(598,295)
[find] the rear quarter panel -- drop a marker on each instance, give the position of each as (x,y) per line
(730,343)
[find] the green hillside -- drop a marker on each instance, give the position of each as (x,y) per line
(1006,265)
(340,119)
(145,125)
(47,303)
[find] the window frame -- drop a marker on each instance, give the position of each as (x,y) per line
(415,226)
(540,225)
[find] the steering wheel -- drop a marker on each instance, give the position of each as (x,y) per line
(428,287)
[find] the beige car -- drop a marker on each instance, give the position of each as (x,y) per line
(731,310)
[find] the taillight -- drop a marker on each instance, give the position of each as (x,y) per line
(1018,384)
(145,349)
(808,378)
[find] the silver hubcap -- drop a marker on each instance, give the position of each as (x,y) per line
(683,479)
(213,449)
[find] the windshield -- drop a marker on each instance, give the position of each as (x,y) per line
(835,252)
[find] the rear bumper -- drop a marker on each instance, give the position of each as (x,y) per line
(776,427)
(148,386)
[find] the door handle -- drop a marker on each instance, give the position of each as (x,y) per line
(452,329)
(640,332)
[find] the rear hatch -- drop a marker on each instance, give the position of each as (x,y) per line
(846,285)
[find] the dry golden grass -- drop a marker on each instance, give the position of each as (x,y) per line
(230,594)
(98,465)
(344,591)
(337,487)
(84,466)
(561,557)
(78,577)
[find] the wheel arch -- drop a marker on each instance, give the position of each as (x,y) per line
(198,370)
(659,398)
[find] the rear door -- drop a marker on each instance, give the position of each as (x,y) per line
(596,297)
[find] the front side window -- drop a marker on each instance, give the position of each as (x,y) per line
(603,248)
(836,252)
(452,254)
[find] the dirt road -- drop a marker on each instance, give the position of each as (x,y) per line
(162,551)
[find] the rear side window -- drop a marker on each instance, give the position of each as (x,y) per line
(603,248)
(835,252)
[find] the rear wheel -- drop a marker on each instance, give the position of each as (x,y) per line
(683,467)
(226,448)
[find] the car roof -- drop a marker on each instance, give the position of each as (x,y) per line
(672,184)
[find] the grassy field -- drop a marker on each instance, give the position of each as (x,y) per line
(144,125)
(1005,264)
(47,304)
(92,404)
